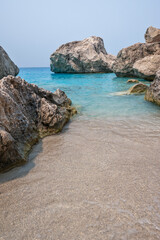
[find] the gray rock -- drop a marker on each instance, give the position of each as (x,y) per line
(152,35)
(153,92)
(7,67)
(126,58)
(87,56)
(147,67)
(28,113)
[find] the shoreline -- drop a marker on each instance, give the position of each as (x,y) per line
(99,173)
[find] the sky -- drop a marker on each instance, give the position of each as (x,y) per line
(31,30)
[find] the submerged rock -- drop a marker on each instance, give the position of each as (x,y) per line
(137,88)
(87,56)
(7,67)
(132,81)
(147,67)
(153,92)
(152,35)
(28,113)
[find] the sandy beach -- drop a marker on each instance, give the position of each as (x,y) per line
(95,180)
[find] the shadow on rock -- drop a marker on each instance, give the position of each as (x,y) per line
(22,170)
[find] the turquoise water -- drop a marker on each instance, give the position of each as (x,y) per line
(93,94)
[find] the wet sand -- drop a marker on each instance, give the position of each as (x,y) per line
(97,180)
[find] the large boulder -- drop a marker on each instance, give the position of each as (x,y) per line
(28,113)
(127,57)
(153,92)
(7,67)
(147,67)
(87,56)
(152,35)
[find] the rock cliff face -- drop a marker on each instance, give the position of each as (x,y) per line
(87,56)
(28,113)
(7,67)
(153,92)
(138,60)
(152,35)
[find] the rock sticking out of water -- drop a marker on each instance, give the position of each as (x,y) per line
(133,62)
(137,88)
(87,56)
(147,67)
(26,114)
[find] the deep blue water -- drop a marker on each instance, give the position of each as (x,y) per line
(92,93)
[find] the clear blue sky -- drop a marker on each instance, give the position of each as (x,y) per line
(30,30)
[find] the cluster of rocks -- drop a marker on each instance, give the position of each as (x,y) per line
(28,113)
(140,60)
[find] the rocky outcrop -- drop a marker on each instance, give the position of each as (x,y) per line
(132,81)
(147,67)
(127,57)
(7,67)
(87,56)
(28,113)
(153,92)
(140,60)
(152,35)
(137,88)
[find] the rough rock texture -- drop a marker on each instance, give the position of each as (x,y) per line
(153,92)
(147,67)
(87,56)
(152,35)
(7,67)
(26,114)
(132,81)
(137,88)
(126,58)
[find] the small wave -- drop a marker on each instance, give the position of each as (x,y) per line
(119,93)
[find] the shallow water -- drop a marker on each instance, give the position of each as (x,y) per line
(98,179)
(93,93)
